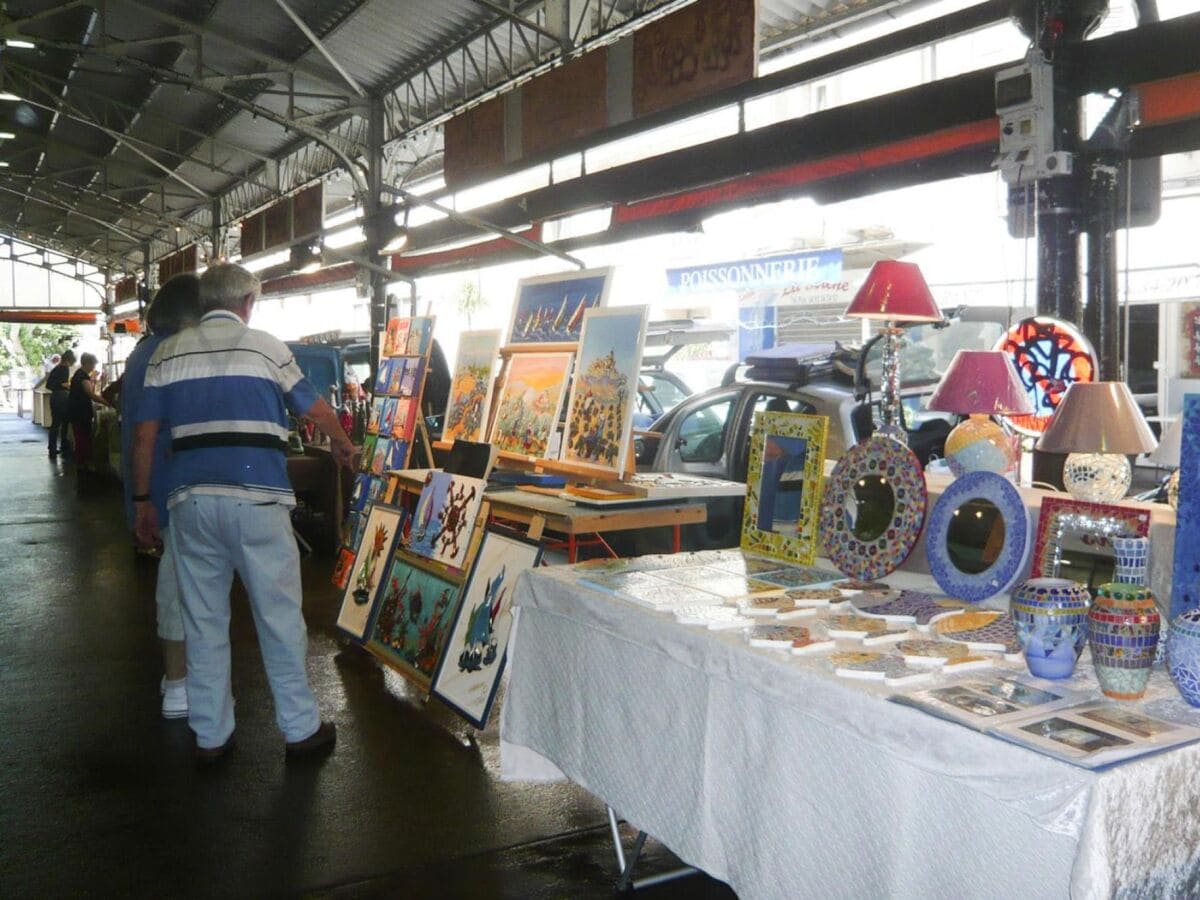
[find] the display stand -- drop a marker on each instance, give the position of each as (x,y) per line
(625,864)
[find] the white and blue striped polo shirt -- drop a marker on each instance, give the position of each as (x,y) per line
(224,391)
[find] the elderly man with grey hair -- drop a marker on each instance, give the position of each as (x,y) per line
(224,390)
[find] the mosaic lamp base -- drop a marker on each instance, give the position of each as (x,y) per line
(977,444)
(1097,477)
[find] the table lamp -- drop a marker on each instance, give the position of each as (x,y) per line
(893,292)
(1167,455)
(1098,424)
(980,384)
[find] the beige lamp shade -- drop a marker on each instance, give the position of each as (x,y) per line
(1167,453)
(1098,417)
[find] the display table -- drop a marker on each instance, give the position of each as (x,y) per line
(575,521)
(317,477)
(772,774)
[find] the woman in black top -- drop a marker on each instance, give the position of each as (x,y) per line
(83,395)
(58,383)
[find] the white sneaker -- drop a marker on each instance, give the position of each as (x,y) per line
(174,700)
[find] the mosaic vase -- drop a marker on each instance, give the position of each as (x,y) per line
(1132,558)
(1051,617)
(1183,654)
(1123,628)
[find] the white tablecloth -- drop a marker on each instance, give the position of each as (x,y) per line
(772,774)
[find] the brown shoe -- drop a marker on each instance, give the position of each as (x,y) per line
(319,743)
(208,757)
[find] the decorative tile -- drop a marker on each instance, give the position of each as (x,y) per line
(889,668)
(855,584)
(797,577)
(908,606)
(770,605)
(715,618)
(815,596)
(869,631)
(799,639)
(982,630)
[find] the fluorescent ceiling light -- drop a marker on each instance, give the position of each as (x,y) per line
(8,95)
(267,260)
(398,242)
(19,44)
(346,237)
(6,135)
(3,164)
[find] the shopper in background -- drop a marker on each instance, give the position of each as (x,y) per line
(80,412)
(224,391)
(176,306)
(58,383)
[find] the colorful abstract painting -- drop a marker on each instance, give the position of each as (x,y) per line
(444,518)
(415,611)
(550,308)
(395,340)
(604,391)
(420,336)
(471,387)
(470,669)
(379,535)
(1049,356)
(530,399)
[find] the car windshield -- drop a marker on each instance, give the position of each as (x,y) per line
(926,350)
(666,391)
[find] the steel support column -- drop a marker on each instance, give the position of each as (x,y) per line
(1101,317)
(372,210)
(214,233)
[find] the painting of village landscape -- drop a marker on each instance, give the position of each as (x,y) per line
(414,613)
(471,387)
(604,392)
(550,308)
(530,399)
(473,661)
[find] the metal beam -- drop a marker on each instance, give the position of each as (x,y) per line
(519,20)
(55,204)
(316,42)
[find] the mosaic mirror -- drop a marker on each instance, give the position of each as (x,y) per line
(1074,539)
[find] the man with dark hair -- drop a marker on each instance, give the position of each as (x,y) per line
(176,306)
(224,390)
(58,383)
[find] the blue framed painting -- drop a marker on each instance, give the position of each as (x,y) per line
(377,540)
(977,538)
(1185,577)
(473,660)
(549,308)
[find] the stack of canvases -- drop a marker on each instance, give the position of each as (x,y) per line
(430,601)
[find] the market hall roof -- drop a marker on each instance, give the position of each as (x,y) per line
(137,120)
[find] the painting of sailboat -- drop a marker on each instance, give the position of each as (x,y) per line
(549,308)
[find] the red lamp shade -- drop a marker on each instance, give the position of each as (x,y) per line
(981,381)
(895,292)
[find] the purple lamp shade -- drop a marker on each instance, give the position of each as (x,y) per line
(894,292)
(981,382)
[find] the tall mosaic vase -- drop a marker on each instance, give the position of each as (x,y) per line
(1051,618)
(1133,557)
(1183,654)
(1123,628)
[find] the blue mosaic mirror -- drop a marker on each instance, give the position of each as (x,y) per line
(977,539)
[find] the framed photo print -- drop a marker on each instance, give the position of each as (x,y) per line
(549,309)
(379,533)
(416,608)
(783,486)
(604,391)
(473,661)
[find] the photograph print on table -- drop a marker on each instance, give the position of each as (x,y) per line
(604,390)
(473,662)
(415,610)
(530,400)
(471,386)
(379,535)
(549,309)
(444,519)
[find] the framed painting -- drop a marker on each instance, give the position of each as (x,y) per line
(383,376)
(387,416)
(378,539)
(420,335)
(444,518)
(376,415)
(395,341)
(342,568)
(1049,356)
(549,309)
(414,613)
(397,455)
(361,491)
(783,486)
(473,661)
(410,382)
(1074,539)
(368,452)
(471,386)
(380,455)
(404,420)
(604,390)
(530,398)
(396,374)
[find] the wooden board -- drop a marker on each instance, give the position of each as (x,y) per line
(565,104)
(474,142)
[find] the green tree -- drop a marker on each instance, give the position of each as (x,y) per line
(470,299)
(41,341)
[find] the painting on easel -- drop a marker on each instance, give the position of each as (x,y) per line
(471,386)
(549,308)
(530,399)
(604,392)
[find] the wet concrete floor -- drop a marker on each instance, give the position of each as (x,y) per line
(99,796)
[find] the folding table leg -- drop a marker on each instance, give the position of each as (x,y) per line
(625,866)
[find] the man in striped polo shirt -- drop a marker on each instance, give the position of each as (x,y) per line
(224,390)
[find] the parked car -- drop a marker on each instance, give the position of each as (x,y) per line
(661,390)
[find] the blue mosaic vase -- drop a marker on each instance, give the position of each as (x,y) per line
(1051,618)
(1132,559)
(1183,654)
(1123,628)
